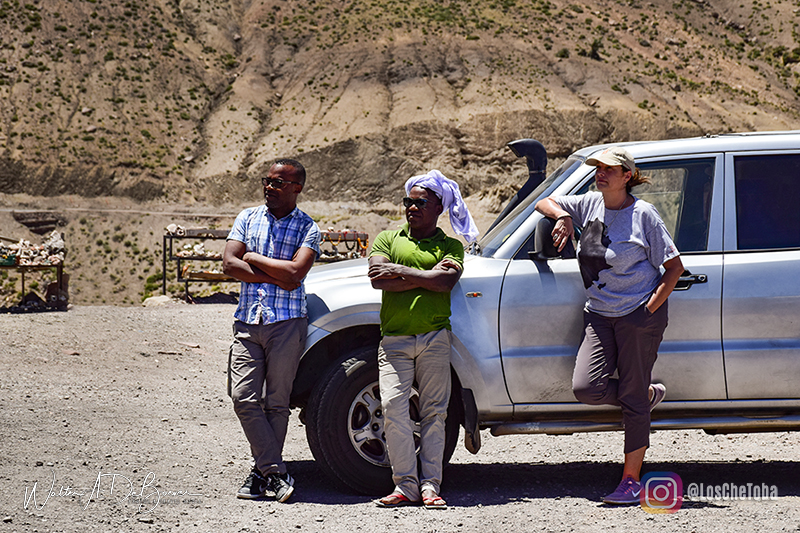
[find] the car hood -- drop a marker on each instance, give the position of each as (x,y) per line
(351,268)
(339,290)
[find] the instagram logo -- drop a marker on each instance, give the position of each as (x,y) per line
(662,492)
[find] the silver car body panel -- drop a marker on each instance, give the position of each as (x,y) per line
(541,329)
(761,324)
(760,309)
(340,296)
(474,302)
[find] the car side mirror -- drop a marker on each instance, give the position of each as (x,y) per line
(543,246)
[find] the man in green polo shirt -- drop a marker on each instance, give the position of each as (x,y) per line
(416,267)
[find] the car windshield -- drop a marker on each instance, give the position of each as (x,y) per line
(490,242)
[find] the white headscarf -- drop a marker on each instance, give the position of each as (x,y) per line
(447,190)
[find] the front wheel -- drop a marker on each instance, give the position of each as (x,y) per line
(344,424)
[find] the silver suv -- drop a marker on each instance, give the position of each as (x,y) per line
(730,358)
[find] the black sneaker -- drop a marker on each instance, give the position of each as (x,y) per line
(255,486)
(282,485)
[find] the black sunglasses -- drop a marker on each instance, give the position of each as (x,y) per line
(418,202)
(275,183)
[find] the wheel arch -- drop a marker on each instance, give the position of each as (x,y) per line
(318,359)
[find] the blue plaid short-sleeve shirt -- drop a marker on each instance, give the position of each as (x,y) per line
(276,238)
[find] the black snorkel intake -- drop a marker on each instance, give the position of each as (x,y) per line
(536,159)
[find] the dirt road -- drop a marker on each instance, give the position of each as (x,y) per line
(101,403)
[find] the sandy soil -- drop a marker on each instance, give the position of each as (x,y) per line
(139,393)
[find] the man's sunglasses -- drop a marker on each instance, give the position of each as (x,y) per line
(275,183)
(418,202)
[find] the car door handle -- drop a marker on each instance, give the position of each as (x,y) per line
(688,279)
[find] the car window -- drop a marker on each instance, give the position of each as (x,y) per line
(681,191)
(767,190)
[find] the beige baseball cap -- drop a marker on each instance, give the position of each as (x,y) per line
(614,156)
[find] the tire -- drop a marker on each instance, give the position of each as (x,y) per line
(344,425)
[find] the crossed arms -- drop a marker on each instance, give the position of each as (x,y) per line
(392,277)
(252,267)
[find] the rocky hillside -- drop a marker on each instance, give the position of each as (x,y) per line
(121,117)
(183,100)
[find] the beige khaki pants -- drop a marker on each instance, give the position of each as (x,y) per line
(402,360)
(262,363)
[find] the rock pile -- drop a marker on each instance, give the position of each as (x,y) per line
(51,252)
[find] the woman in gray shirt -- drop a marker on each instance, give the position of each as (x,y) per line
(621,251)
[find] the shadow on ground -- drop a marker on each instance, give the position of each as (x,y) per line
(469,485)
(216,298)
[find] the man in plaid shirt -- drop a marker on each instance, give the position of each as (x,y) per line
(270,250)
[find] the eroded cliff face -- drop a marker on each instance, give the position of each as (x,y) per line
(186,100)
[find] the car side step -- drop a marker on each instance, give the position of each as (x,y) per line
(729,424)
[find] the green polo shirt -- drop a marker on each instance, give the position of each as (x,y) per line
(416,311)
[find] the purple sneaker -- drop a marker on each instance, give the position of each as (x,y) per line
(659,392)
(627,492)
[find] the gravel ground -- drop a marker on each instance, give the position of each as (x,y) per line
(140,393)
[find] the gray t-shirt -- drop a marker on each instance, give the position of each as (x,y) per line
(620,252)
